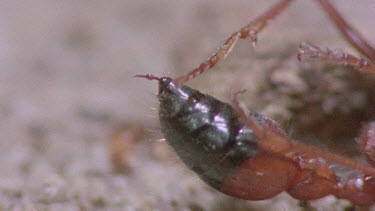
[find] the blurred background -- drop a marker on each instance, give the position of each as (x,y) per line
(68,98)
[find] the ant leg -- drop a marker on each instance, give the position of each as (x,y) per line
(251,30)
(349,33)
(270,141)
(338,56)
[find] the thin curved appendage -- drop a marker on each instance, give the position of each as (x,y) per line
(148,76)
(349,33)
(337,56)
(251,30)
(272,142)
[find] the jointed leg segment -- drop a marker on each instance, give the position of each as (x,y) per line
(349,33)
(251,30)
(337,56)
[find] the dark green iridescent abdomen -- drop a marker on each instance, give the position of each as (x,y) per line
(201,128)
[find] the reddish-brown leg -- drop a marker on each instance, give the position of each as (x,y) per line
(251,30)
(337,56)
(349,33)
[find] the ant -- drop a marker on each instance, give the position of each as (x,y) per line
(250,156)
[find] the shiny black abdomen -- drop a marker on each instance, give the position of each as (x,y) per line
(205,132)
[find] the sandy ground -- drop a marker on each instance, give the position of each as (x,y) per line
(66,84)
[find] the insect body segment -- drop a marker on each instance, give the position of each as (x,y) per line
(201,128)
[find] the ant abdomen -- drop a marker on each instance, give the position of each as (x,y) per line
(212,140)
